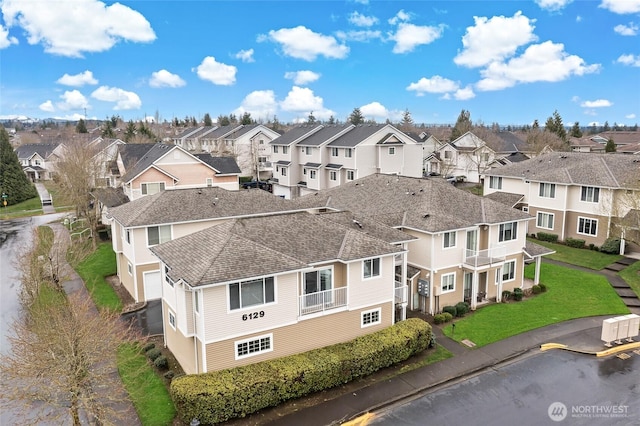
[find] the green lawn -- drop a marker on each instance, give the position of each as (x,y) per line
(631,275)
(93,270)
(571,294)
(30,207)
(60,200)
(147,391)
(581,257)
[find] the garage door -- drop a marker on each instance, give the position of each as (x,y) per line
(152,285)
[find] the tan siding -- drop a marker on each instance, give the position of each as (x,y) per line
(125,278)
(181,347)
(571,230)
(152,175)
(139,270)
(557,221)
(301,337)
(189,174)
(373,290)
(224,179)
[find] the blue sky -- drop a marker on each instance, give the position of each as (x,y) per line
(507,62)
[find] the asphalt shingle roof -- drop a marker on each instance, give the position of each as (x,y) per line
(507,198)
(356,135)
(110,197)
(223,165)
(324,135)
(42,149)
(296,133)
(151,156)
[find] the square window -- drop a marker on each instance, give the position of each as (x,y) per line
(449,239)
(590,194)
(158,234)
(509,271)
(371,317)
(495,182)
(587,226)
(448,282)
(392,150)
(547,190)
(545,220)
(371,268)
(508,232)
(350,175)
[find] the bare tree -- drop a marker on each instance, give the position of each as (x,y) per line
(539,140)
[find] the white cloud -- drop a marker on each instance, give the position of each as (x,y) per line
(261,104)
(216,72)
(621,6)
(541,62)
(124,100)
(631,60)
(408,36)
(464,94)
(553,5)
(374,110)
(361,20)
(599,103)
(301,78)
(72,99)
(5,39)
(494,39)
(78,80)
(626,30)
(302,43)
(401,16)
(301,99)
(245,55)
(72,27)
(164,78)
(630,116)
(47,106)
(362,35)
(435,84)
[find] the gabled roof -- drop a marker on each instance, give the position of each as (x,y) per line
(187,132)
(619,137)
(222,165)
(507,198)
(507,142)
(533,250)
(296,134)
(326,134)
(357,135)
(155,153)
(131,153)
(222,132)
(576,168)
(269,244)
(110,197)
(427,204)
(200,132)
(197,204)
(29,149)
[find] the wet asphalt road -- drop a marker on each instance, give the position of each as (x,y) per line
(593,391)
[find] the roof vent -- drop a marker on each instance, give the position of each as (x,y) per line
(357,223)
(426,215)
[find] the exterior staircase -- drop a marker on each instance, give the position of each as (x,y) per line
(628,296)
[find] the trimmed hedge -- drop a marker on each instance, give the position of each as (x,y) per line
(462,308)
(222,395)
(552,238)
(611,246)
(517,294)
(575,243)
(451,309)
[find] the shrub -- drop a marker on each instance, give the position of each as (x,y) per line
(447,316)
(147,346)
(169,375)
(451,309)
(611,246)
(543,287)
(552,238)
(218,396)
(461,309)
(533,235)
(161,362)
(153,353)
(517,294)
(592,246)
(506,295)
(536,289)
(438,318)
(574,242)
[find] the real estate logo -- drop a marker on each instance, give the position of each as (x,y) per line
(557,411)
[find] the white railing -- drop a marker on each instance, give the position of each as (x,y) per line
(400,293)
(479,258)
(323,301)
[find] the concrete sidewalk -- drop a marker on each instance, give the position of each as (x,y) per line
(45,199)
(582,334)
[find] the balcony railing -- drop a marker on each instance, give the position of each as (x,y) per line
(480,258)
(321,301)
(401,292)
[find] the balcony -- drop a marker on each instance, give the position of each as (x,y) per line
(265,165)
(401,292)
(479,259)
(323,301)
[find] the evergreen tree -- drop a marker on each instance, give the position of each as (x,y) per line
(207,120)
(575,130)
(275,124)
(246,119)
(610,146)
(535,125)
(130,133)
(114,121)
(107,130)
(13,181)
(332,120)
(462,126)
(407,121)
(233,119)
(356,117)
(606,127)
(81,127)
(311,119)
(223,120)
(554,125)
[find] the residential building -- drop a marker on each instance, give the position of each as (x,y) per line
(257,288)
(311,158)
(585,196)
(35,159)
(147,221)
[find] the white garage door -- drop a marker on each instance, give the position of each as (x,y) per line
(152,285)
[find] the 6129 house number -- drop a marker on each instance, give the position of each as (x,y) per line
(252,315)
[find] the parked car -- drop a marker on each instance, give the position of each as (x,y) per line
(257,184)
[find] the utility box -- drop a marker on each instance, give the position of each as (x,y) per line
(634,325)
(623,328)
(609,331)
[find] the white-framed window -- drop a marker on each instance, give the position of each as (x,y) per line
(306,150)
(371,268)
(317,281)
(127,236)
(209,181)
(151,188)
(448,282)
(251,293)
(312,174)
(172,320)
(547,190)
(545,220)
(283,171)
(508,231)
(196,301)
(449,239)
(348,152)
(590,194)
(261,142)
(158,235)
(448,155)
(587,226)
(129,268)
(333,175)
(392,150)
(369,318)
(275,149)
(285,149)
(254,346)
(509,271)
(495,182)
(334,152)
(166,276)
(304,171)
(350,175)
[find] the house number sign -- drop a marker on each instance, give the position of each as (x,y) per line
(252,315)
